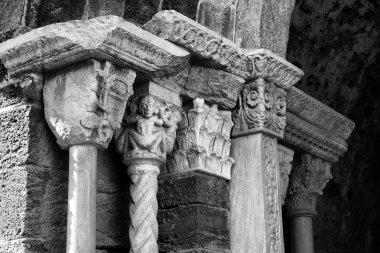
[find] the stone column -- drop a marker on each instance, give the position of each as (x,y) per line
(256,219)
(307,180)
(147,135)
(84,105)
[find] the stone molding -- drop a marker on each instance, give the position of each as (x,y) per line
(285,159)
(104,38)
(85,103)
(219,52)
(261,108)
(307,181)
(203,142)
(320,115)
(312,139)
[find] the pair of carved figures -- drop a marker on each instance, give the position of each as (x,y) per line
(148,129)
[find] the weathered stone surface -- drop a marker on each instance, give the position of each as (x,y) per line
(190,188)
(285,158)
(313,111)
(225,20)
(203,142)
(221,52)
(85,102)
(193,226)
(250,24)
(107,37)
(319,142)
(12,14)
(25,138)
(33,205)
(95,8)
(215,86)
(113,198)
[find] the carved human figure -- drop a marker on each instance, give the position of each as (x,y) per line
(148,129)
(146,137)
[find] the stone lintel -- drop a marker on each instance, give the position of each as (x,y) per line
(104,38)
(313,139)
(318,114)
(213,50)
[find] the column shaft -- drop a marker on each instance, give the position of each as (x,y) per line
(256,220)
(143,230)
(302,234)
(81,217)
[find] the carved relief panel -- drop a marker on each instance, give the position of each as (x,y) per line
(203,141)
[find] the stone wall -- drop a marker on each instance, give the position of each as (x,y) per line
(337,45)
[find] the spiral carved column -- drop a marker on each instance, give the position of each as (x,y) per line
(148,134)
(144,207)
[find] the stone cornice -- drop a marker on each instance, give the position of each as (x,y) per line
(304,106)
(104,38)
(313,139)
(213,50)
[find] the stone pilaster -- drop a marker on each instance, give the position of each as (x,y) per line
(308,178)
(285,158)
(146,137)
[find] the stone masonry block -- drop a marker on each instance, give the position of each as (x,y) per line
(26,139)
(195,226)
(193,187)
(33,204)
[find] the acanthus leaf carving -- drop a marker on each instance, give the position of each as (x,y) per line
(285,158)
(261,107)
(203,142)
(307,181)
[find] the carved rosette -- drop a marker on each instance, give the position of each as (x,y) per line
(272,196)
(261,108)
(147,135)
(85,103)
(203,142)
(307,181)
(285,158)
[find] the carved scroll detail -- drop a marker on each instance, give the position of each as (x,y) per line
(272,201)
(262,107)
(307,180)
(203,142)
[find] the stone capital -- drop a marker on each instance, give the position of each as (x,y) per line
(148,129)
(261,108)
(203,141)
(84,103)
(307,181)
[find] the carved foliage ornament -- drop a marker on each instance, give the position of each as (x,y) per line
(262,107)
(307,180)
(148,130)
(272,196)
(285,158)
(203,141)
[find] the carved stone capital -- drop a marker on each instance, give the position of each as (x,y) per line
(285,159)
(261,108)
(203,142)
(84,103)
(307,181)
(148,130)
